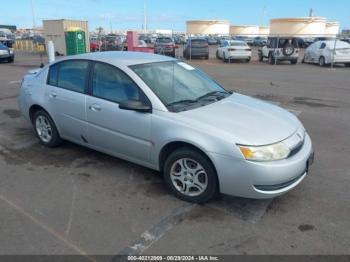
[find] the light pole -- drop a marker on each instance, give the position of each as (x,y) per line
(144,18)
(33,14)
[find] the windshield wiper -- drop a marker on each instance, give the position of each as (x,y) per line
(185,101)
(217,94)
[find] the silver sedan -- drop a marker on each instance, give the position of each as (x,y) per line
(166,115)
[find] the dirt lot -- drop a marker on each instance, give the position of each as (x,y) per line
(73,200)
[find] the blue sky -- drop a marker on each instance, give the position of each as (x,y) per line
(168,14)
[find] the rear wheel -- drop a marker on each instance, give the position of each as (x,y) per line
(347,65)
(247,60)
(11,60)
(322,61)
(224,57)
(217,55)
(190,175)
(261,57)
(294,61)
(45,129)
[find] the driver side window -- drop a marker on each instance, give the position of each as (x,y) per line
(112,84)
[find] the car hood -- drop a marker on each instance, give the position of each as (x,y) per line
(247,120)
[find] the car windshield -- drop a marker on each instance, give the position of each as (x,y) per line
(180,86)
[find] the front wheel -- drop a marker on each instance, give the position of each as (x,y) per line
(190,176)
(347,65)
(294,61)
(45,129)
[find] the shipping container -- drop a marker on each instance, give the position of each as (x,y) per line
(54,30)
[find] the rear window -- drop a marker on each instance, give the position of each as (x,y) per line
(238,44)
(199,42)
(164,40)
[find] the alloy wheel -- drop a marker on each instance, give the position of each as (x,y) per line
(189,177)
(43,128)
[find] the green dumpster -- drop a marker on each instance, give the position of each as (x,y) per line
(75,41)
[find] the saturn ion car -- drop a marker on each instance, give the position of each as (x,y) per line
(166,115)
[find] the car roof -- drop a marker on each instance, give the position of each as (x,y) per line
(121,58)
(332,42)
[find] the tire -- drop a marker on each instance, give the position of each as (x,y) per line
(347,64)
(247,60)
(186,160)
(322,61)
(261,57)
(217,55)
(11,60)
(207,57)
(288,50)
(271,59)
(42,121)
(294,61)
(224,58)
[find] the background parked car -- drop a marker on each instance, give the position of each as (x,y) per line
(212,41)
(196,48)
(234,50)
(323,53)
(165,46)
(6,54)
(248,40)
(260,41)
(280,49)
(112,42)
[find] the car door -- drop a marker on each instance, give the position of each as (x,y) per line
(222,49)
(320,51)
(65,96)
(122,133)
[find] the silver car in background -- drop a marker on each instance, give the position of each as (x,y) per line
(166,115)
(327,52)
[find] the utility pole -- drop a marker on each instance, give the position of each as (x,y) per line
(33,14)
(311,13)
(144,17)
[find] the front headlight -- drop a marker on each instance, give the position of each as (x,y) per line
(11,51)
(273,152)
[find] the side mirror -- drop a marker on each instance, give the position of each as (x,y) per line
(135,105)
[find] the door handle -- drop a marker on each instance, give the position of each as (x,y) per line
(95,108)
(53,95)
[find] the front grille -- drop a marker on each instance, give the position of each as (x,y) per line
(278,186)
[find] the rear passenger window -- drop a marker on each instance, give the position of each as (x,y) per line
(112,84)
(72,75)
(52,78)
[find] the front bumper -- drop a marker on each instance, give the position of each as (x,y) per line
(261,180)
(6,57)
